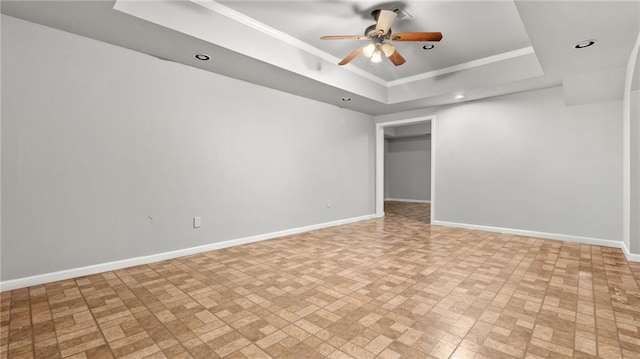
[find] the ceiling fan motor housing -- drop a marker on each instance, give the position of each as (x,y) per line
(375,14)
(371,32)
(374,30)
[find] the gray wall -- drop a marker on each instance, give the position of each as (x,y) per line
(107,154)
(407,168)
(528,162)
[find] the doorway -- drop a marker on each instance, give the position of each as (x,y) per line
(380,159)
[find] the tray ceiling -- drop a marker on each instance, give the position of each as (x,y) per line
(472,30)
(488,48)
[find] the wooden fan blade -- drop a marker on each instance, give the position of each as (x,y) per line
(350,57)
(344,37)
(417,36)
(385,20)
(396,58)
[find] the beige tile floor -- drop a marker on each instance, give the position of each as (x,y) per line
(388,288)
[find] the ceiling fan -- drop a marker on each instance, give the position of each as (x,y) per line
(380,32)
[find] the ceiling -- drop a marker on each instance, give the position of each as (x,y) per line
(307,21)
(488,48)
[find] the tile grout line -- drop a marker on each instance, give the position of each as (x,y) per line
(101,275)
(33,332)
(450,261)
(90,311)
(615,315)
(147,308)
(9,321)
(93,315)
(188,295)
(274,267)
(497,291)
(530,264)
(546,291)
(526,347)
(471,248)
(593,293)
(575,317)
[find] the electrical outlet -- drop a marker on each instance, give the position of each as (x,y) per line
(328,203)
(196,222)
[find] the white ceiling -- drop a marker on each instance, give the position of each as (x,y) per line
(499,30)
(488,48)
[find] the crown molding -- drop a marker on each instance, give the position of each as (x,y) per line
(464,66)
(284,37)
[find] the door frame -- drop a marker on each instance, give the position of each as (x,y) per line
(380,159)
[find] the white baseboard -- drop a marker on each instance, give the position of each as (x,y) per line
(130,262)
(544,235)
(632,257)
(407,200)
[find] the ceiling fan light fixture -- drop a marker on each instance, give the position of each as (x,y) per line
(369,50)
(377,56)
(387,49)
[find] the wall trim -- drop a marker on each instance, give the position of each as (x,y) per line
(464,66)
(379,199)
(136,261)
(631,257)
(544,235)
(407,200)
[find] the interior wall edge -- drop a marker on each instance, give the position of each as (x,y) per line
(158,257)
(630,123)
(544,235)
(631,257)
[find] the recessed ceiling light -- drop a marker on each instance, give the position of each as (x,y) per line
(584,44)
(346,99)
(202,57)
(459,97)
(428,46)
